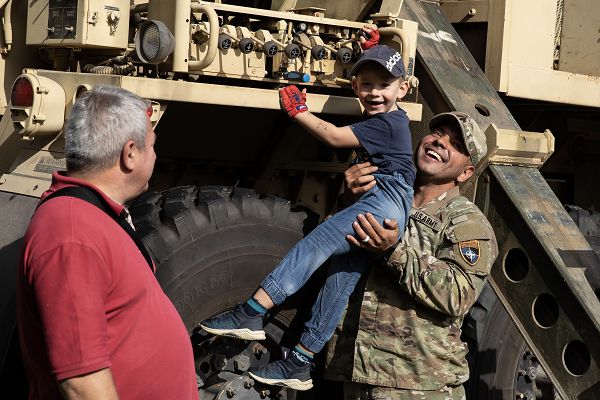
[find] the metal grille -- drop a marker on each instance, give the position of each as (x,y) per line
(151,42)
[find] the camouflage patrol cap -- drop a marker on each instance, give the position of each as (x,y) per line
(475,140)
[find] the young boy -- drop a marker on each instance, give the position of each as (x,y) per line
(378,81)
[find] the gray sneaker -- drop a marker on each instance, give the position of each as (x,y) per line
(284,373)
(236,324)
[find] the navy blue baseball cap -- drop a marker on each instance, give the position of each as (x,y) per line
(385,56)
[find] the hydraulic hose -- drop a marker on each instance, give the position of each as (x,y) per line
(125,69)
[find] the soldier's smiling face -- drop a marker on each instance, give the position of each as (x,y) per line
(442,156)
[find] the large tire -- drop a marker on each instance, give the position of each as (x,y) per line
(495,346)
(214,245)
(501,365)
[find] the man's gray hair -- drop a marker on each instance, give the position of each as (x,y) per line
(102,120)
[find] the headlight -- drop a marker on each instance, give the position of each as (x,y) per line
(154,43)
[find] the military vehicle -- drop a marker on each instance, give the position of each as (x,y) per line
(236,184)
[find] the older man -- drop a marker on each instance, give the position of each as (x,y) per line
(401,338)
(93,321)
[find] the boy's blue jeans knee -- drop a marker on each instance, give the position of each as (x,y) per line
(390,198)
(343,275)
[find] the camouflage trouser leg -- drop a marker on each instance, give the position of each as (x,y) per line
(359,391)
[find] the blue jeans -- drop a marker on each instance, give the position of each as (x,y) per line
(390,198)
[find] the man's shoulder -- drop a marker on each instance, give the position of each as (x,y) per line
(474,241)
(57,207)
(68,218)
(462,209)
(465,221)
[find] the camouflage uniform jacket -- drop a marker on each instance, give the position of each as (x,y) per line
(405,330)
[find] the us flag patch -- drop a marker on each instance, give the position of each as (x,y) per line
(469,251)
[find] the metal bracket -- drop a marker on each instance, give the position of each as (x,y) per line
(518,148)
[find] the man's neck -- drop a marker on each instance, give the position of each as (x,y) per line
(425,192)
(107,181)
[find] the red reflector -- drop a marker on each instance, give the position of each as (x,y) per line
(22,93)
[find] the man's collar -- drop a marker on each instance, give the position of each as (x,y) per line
(440,201)
(60,179)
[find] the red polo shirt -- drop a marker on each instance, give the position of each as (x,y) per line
(87,300)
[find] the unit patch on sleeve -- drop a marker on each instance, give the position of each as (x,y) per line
(469,251)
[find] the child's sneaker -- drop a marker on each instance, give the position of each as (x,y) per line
(284,373)
(236,324)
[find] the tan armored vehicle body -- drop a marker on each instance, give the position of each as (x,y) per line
(236,184)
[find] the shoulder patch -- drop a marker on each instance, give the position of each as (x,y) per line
(466,231)
(469,251)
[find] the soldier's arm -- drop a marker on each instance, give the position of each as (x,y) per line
(449,281)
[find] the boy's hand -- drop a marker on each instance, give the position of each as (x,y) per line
(369,37)
(293,101)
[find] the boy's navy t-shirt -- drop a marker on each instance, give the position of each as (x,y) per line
(387,139)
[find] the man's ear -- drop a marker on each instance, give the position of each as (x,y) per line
(467,172)
(402,90)
(355,86)
(129,155)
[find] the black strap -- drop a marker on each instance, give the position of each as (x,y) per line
(92,197)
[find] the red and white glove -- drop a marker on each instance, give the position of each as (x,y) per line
(369,39)
(293,101)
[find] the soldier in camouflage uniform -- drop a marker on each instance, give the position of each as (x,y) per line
(401,338)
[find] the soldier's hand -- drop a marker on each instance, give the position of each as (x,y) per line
(359,179)
(370,235)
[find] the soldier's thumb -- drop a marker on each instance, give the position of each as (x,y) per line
(390,223)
